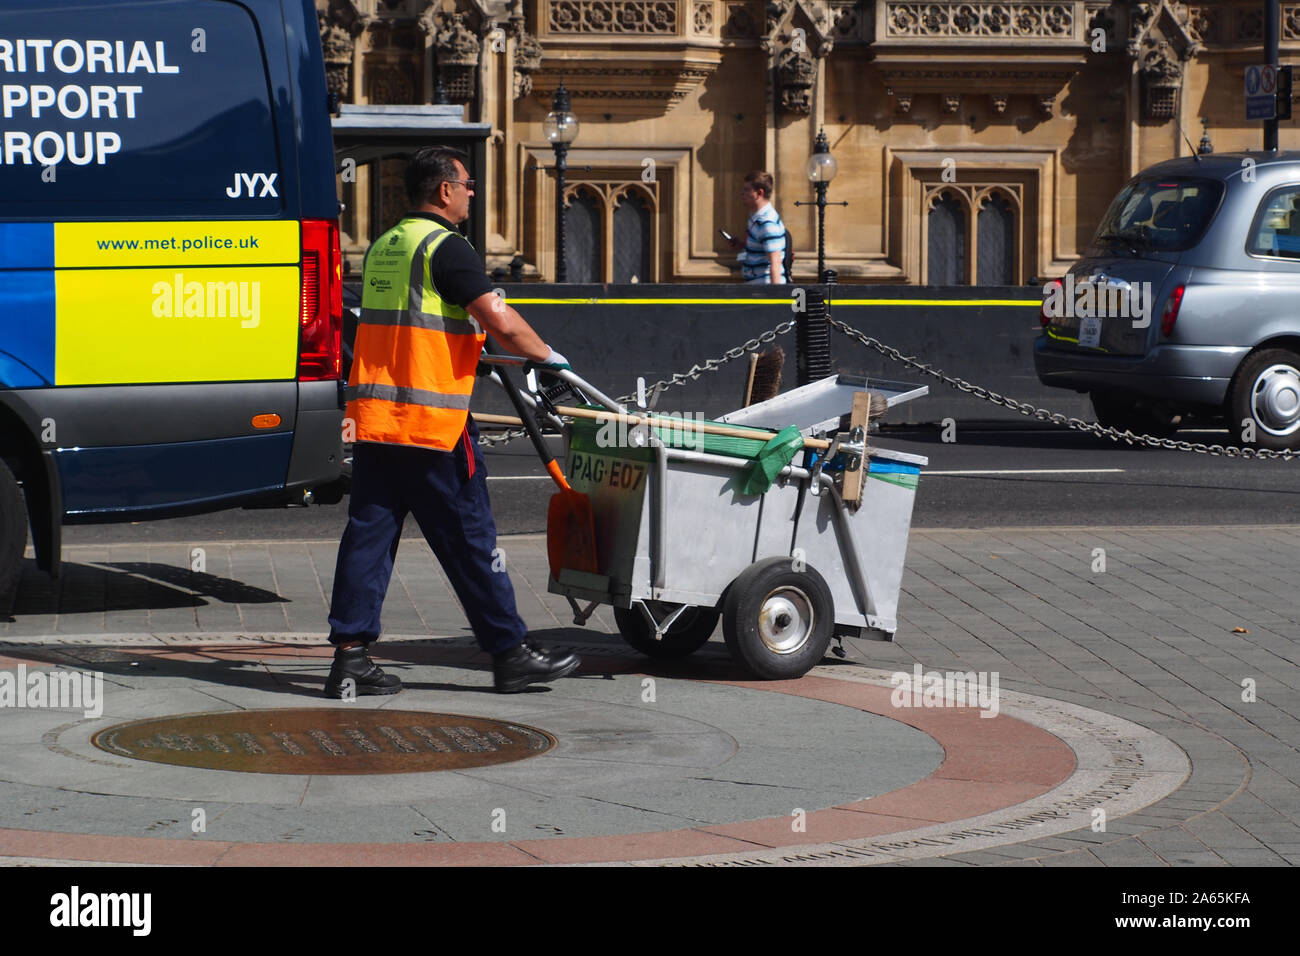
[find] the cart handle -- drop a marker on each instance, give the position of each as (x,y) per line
(492,358)
(564,374)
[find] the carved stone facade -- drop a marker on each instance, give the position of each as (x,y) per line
(528,59)
(627,17)
(1052,103)
(340,25)
(1164,39)
(1052,21)
(798,38)
(457,56)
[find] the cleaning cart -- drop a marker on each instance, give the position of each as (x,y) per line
(790,545)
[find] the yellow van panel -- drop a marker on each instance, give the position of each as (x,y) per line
(125,326)
(131,244)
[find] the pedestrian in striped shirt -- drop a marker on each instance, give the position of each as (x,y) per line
(764,247)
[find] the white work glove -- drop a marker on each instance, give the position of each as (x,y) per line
(553,363)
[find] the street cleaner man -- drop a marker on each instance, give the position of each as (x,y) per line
(424,310)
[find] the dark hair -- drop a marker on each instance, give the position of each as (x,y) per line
(761,181)
(428,169)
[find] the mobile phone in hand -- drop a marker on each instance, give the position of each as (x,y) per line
(725,235)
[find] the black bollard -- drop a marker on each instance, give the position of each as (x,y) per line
(812,339)
(829,278)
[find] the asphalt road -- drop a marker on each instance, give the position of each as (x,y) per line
(992,475)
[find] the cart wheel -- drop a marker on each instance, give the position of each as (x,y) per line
(689,632)
(778,622)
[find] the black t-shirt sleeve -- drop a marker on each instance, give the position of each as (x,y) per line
(457,272)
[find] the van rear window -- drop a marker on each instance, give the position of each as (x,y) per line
(139,109)
(1167,215)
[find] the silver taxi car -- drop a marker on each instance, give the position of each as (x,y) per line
(1187,302)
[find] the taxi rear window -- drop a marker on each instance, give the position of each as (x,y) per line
(149,108)
(1276,231)
(1164,215)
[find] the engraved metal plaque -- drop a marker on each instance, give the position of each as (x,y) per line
(325,741)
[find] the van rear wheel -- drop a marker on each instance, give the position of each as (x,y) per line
(13,531)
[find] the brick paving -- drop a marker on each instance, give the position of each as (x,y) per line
(1182,628)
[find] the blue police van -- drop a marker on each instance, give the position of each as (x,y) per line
(170,277)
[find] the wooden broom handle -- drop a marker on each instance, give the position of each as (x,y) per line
(679,424)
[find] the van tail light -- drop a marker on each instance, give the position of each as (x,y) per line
(1044,319)
(320,317)
(1170,315)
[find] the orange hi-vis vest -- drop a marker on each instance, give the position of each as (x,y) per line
(415,355)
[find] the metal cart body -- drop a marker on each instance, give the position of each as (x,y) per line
(675,529)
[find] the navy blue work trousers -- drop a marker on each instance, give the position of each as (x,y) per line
(447,493)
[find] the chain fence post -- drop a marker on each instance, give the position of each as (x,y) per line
(812,339)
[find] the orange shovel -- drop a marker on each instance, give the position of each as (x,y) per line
(570,526)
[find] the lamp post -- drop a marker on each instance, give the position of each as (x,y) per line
(821,169)
(561,128)
(1271,23)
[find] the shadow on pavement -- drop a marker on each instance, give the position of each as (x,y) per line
(126,586)
(139,664)
(604,656)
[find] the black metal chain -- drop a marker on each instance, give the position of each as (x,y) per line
(1056,418)
(1024,408)
(680,378)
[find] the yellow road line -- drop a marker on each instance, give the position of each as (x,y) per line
(785,303)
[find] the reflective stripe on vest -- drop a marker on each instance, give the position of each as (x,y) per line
(415,355)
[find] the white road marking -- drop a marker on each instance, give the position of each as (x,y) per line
(1028,471)
(926,472)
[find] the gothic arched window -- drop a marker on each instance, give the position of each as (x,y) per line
(946,247)
(995,241)
(612,230)
(631,238)
(583,238)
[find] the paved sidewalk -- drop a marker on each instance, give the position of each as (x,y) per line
(1191,633)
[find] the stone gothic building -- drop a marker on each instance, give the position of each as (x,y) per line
(977,142)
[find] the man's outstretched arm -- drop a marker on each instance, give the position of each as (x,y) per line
(508,327)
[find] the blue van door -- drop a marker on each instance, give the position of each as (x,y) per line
(170,288)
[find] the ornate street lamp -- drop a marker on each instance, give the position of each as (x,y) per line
(561,128)
(821,169)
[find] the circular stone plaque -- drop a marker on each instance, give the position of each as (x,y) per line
(324,741)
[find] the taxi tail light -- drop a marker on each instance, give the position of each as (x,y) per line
(320,316)
(1170,315)
(1043,318)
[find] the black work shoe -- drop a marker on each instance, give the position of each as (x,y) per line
(355,674)
(529,664)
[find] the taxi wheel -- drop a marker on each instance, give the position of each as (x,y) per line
(13,531)
(1137,415)
(1264,398)
(778,622)
(691,631)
